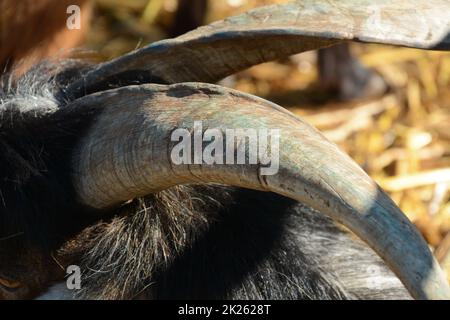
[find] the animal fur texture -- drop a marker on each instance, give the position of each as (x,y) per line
(195,241)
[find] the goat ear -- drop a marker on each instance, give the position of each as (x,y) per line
(213,52)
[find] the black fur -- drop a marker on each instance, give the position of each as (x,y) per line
(216,242)
(37,198)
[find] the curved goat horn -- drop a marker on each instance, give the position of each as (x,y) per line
(127,153)
(213,52)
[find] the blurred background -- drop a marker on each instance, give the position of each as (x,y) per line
(400,135)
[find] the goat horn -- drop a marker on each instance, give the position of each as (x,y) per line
(127,153)
(213,52)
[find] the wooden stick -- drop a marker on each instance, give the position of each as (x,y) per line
(424,178)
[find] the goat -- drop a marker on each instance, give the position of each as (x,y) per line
(88,179)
